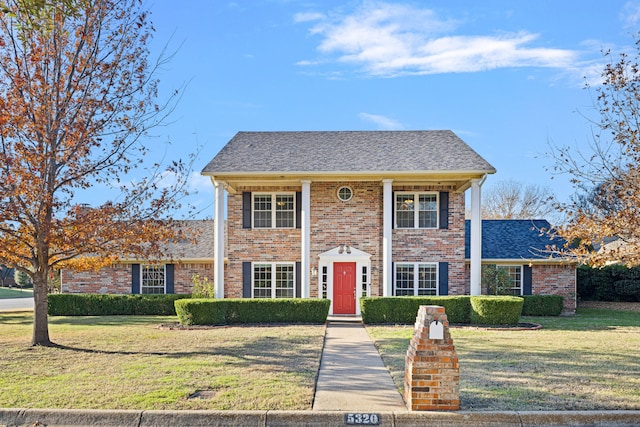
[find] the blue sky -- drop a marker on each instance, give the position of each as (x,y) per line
(506,76)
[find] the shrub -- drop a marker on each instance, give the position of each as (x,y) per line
(202,287)
(244,310)
(496,310)
(542,305)
(112,305)
(403,310)
(497,280)
(610,283)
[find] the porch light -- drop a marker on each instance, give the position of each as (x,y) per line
(314,271)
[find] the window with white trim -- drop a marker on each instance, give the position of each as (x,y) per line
(416,210)
(273,280)
(415,279)
(152,279)
(515,273)
(272,210)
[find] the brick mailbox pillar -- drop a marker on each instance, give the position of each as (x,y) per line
(432,372)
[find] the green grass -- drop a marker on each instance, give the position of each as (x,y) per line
(118,362)
(15,293)
(585,362)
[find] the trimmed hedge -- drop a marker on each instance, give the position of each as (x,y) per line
(496,310)
(403,310)
(229,311)
(542,305)
(112,305)
(610,283)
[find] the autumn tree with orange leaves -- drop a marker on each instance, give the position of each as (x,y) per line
(77,97)
(606,207)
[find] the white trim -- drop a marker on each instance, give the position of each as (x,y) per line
(475,286)
(345,253)
(521,267)
(416,209)
(387,237)
(416,276)
(273,211)
(164,277)
(305,243)
(273,266)
(344,187)
(218,240)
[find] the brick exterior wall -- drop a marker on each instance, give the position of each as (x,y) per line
(357,223)
(549,279)
(432,370)
(116,279)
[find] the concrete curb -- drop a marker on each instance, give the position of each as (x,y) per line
(13,417)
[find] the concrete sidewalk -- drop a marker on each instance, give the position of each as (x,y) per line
(352,376)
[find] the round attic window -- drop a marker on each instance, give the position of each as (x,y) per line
(345,194)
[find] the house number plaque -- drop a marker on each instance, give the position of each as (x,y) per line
(362,419)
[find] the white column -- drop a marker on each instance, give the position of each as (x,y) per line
(476,237)
(387,230)
(305,229)
(218,239)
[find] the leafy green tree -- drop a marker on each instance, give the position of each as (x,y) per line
(496,280)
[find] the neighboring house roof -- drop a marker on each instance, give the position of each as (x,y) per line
(197,244)
(364,153)
(515,239)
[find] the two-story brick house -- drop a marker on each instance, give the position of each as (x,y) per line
(346,214)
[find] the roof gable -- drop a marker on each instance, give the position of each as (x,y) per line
(346,151)
(513,239)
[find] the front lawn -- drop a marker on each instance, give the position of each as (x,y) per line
(120,362)
(586,362)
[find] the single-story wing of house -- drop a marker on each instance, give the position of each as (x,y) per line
(171,274)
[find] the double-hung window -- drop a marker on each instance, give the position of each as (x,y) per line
(274,210)
(416,210)
(273,280)
(152,280)
(515,273)
(415,279)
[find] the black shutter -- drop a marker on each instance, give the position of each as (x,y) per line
(168,271)
(527,280)
(444,210)
(443,278)
(298,293)
(246,210)
(393,279)
(298,209)
(393,210)
(246,280)
(135,278)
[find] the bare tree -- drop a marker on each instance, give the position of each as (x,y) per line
(511,199)
(606,175)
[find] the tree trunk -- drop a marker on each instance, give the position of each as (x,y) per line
(40,308)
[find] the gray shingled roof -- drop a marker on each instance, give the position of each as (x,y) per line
(348,151)
(512,239)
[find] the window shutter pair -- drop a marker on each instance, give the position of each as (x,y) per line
(246,279)
(247,200)
(169,279)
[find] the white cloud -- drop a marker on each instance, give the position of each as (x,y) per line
(200,183)
(383,123)
(307,16)
(630,14)
(394,39)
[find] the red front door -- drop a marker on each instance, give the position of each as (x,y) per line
(344,288)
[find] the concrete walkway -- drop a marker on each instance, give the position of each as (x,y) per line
(352,376)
